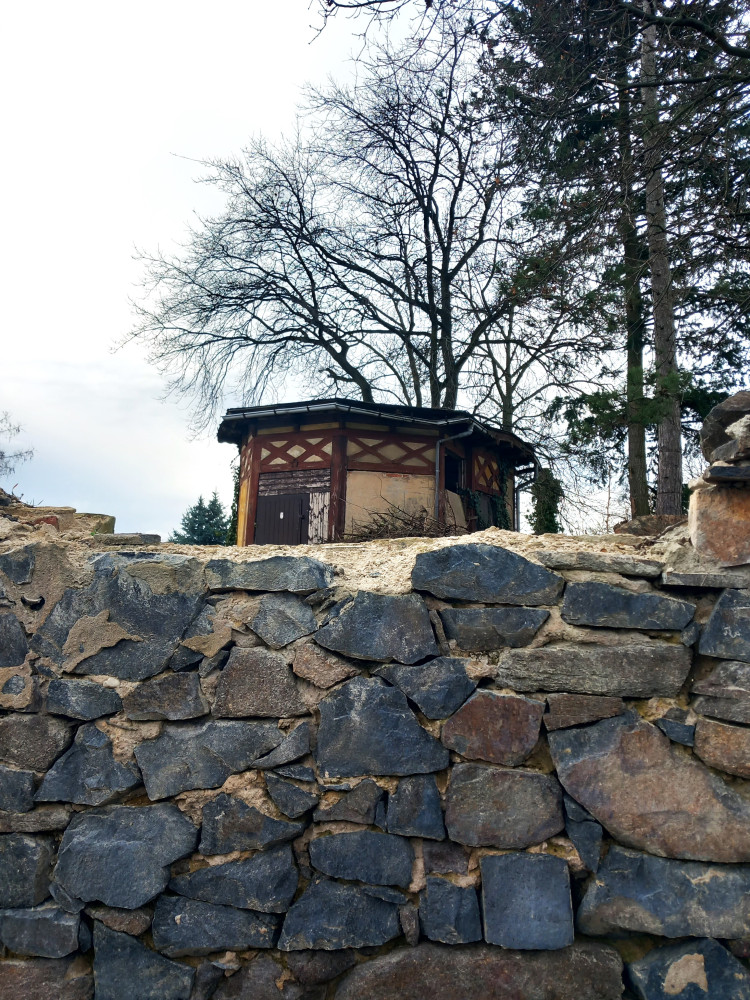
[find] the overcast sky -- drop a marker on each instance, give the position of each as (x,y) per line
(106,106)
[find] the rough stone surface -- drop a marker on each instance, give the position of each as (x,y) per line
(124,969)
(267,882)
(257,682)
(46,931)
(584,832)
(13,644)
(414,809)
(297,574)
(330,916)
(88,773)
(33,741)
(499,728)
(202,755)
(81,699)
(631,671)
(449,913)
(47,979)
(16,790)
(133,922)
(291,748)
(18,566)
(719,524)
(319,666)
(723,746)
(282,618)
(649,795)
(730,709)
(24,869)
(208,976)
(565,710)
(727,634)
(585,971)
(367,727)
(445,857)
(497,807)
(365,856)
(678,732)
(191,927)
(358,806)
(290,799)
(229,824)
(297,772)
(259,981)
(693,969)
(644,894)
(601,562)
(725,692)
(605,606)
(172,696)
(383,628)
(485,629)
(484,573)
(42,819)
(713,432)
(438,687)
(311,968)
(526,901)
(145,625)
(120,855)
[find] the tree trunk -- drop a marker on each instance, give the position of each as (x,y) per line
(669,480)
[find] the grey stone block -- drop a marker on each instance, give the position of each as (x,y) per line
(438,687)
(296,574)
(171,696)
(358,806)
(377,858)
(13,644)
(19,565)
(231,825)
(33,741)
(16,790)
(485,629)
(605,606)
(24,869)
(330,916)
(191,927)
(124,969)
(267,882)
(291,800)
(414,809)
(381,627)
(700,969)
(81,699)
(291,748)
(46,931)
(449,913)
(282,618)
(88,773)
(526,901)
(727,633)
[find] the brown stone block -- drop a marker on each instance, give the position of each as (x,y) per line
(46,979)
(319,667)
(499,728)
(575,709)
(724,747)
(719,524)
(257,682)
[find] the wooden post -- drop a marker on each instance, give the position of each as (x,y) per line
(337,508)
(252,491)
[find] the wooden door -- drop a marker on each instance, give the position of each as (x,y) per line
(282,519)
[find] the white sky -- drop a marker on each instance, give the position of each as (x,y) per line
(102,104)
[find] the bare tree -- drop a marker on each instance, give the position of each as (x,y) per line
(10,459)
(376,254)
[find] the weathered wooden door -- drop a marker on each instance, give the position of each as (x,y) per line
(282,520)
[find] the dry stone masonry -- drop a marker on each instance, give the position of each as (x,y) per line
(526,777)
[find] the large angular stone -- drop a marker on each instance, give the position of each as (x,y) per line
(267,882)
(33,741)
(171,696)
(289,798)
(484,573)
(229,824)
(601,562)
(43,819)
(13,645)
(297,574)
(727,634)
(291,748)
(585,971)
(723,746)
(499,728)
(319,666)
(257,682)
(437,688)
(367,727)
(46,931)
(330,916)
(381,627)
(118,624)
(18,566)
(719,519)
(24,869)
(725,692)
(16,790)
(605,606)
(414,808)
(499,807)
(485,629)
(526,901)
(643,894)
(629,671)
(120,855)
(713,433)
(365,856)
(258,981)
(81,699)
(201,755)
(46,979)
(449,913)
(691,969)
(648,795)
(124,969)
(88,773)
(191,927)
(358,806)
(282,618)
(565,710)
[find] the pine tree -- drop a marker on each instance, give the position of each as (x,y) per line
(203,524)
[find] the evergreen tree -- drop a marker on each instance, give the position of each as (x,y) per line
(546,494)
(203,524)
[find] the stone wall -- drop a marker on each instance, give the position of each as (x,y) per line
(511,768)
